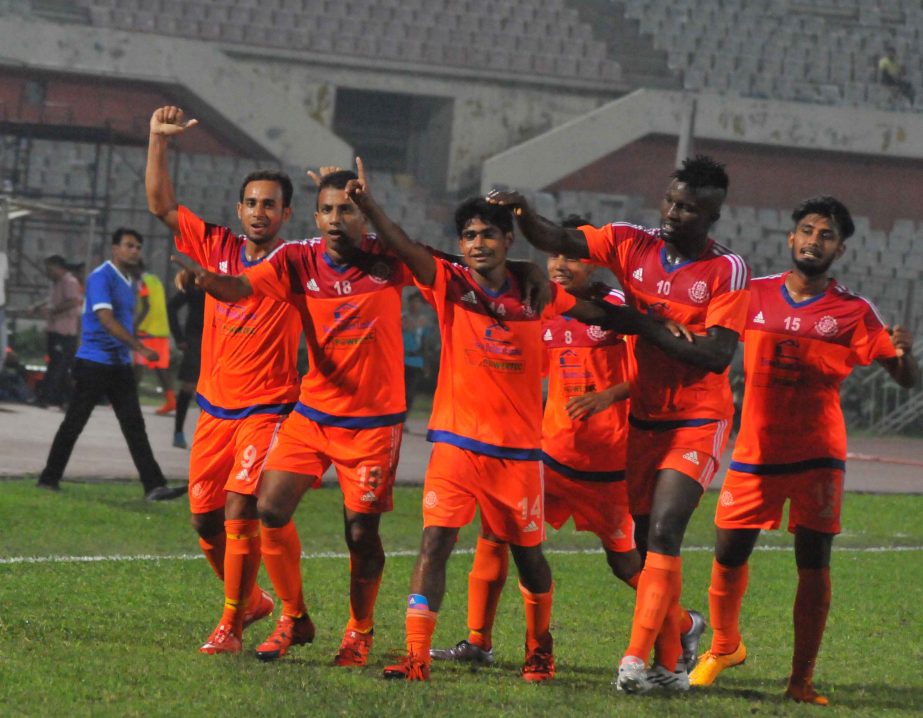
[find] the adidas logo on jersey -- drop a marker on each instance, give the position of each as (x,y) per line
(638,274)
(223,266)
(469,297)
(692,456)
(369,497)
(530,527)
(312,285)
(758,319)
(547,335)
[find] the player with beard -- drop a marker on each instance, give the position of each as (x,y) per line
(804,334)
(681,403)
(248,381)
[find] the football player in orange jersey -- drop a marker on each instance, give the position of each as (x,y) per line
(248,379)
(486,421)
(681,403)
(804,334)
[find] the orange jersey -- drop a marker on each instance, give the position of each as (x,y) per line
(796,354)
(712,290)
(489,393)
(583,359)
(249,348)
(353,327)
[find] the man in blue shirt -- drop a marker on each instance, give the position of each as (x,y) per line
(103,368)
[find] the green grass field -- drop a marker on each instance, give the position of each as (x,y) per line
(118,636)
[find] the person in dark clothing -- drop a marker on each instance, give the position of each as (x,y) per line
(188,338)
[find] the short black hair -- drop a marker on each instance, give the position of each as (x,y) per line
(572,221)
(494,214)
(121,231)
(702,171)
(56,260)
(335,180)
(282,179)
(829,207)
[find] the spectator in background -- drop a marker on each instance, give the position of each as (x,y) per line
(153,331)
(62,311)
(416,326)
(188,338)
(103,368)
(891,74)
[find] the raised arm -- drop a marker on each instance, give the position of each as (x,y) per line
(903,368)
(540,232)
(416,256)
(161,200)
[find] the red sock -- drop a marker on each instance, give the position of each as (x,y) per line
(362,595)
(725,595)
(241,563)
(282,558)
(213,547)
(420,625)
(485,584)
(812,603)
(538,619)
(657,588)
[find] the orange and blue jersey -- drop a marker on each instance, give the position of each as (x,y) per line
(352,318)
(584,358)
(249,348)
(796,355)
(711,290)
(489,393)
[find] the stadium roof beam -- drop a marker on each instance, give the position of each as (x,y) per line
(568,148)
(241,102)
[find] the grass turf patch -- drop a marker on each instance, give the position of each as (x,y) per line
(120,637)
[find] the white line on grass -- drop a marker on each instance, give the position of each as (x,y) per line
(343,555)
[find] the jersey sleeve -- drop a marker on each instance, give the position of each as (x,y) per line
(435,294)
(606,246)
(193,236)
(561,302)
(730,297)
(98,292)
(273,276)
(871,340)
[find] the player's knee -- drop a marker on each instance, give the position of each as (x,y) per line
(624,564)
(665,535)
(272,513)
(208,524)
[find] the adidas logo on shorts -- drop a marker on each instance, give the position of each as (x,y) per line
(369,497)
(692,456)
(469,297)
(530,527)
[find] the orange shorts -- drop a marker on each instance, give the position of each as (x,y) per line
(691,450)
(507,491)
(228,455)
(752,501)
(161,345)
(600,507)
(365,459)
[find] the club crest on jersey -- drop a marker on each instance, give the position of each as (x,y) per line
(826,326)
(699,293)
(380,272)
(596,333)
(223,266)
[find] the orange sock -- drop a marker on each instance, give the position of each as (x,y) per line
(538,619)
(667,646)
(420,625)
(485,584)
(726,593)
(362,595)
(241,563)
(812,603)
(282,558)
(213,547)
(657,591)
